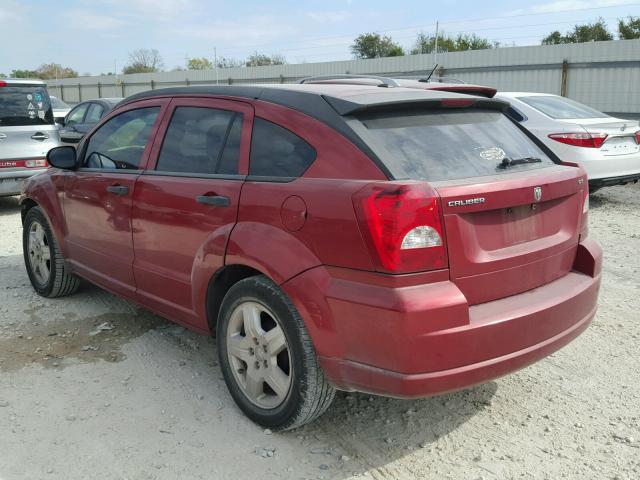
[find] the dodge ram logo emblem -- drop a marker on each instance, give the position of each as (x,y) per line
(537,193)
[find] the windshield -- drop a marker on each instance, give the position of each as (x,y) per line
(561,108)
(446,145)
(25,105)
(58,104)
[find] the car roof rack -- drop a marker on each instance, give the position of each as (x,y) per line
(385,82)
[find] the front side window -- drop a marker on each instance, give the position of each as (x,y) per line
(120,142)
(202,140)
(560,107)
(435,145)
(76,115)
(278,152)
(22,105)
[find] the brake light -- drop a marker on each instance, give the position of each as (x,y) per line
(3,83)
(41,162)
(638,137)
(402,226)
(588,140)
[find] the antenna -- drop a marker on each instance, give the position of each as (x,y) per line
(426,80)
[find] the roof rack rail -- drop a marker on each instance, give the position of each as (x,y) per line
(385,82)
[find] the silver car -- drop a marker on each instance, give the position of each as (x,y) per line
(27,132)
(60,109)
(608,148)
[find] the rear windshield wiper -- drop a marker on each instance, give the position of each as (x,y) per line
(510,162)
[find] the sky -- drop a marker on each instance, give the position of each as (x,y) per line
(96,36)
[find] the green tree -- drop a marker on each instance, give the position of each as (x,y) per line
(426,44)
(554,38)
(629,29)
(17,73)
(3,75)
(373,45)
(589,32)
(199,64)
(259,60)
(144,60)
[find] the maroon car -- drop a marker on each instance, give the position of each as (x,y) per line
(397,241)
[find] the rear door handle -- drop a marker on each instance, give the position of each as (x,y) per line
(118,189)
(39,136)
(213,200)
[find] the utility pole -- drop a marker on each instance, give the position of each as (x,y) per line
(215,62)
(435,52)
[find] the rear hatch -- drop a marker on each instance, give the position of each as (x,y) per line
(27,130)
(512,216)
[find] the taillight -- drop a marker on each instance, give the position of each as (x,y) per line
(589,140)
(638,137)
(3,83)
(41,162)
(402,226)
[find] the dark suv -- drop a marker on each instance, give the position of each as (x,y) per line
(387,240)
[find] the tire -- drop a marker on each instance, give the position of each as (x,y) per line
(259,302)
(44,262)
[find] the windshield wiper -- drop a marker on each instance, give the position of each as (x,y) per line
(510,162)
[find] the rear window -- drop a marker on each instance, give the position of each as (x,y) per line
(440,145)
(561,108)
(25,105)
(58,104)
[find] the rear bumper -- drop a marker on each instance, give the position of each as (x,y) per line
(610,181)
(601,168)
(11,181)
(421,340)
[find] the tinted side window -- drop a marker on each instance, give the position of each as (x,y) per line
(94,114)
(201,140)
(277,152)
(76,115)
(120,142)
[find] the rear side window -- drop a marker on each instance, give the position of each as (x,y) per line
(94,113)
(120,142)
(447,145)
(278,152)
(561,108)
(202,140)
(22,105)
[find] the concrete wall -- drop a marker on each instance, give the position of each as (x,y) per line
(605,75)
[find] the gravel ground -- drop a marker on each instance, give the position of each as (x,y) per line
(93,387)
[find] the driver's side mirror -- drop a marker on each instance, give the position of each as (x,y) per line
(63,157)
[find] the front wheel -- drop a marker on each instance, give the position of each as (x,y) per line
(267,358)
(45,265)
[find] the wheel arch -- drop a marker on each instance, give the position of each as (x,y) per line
(219,285)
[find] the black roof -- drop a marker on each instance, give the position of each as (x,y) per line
(327,103)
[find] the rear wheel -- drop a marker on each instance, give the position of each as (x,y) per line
(45,265)
(267,358)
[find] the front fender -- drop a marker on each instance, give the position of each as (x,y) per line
(46,190)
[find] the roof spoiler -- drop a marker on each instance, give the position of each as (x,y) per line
(346,107)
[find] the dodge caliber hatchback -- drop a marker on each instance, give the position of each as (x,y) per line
(27,132)
(386,240)
(608,148)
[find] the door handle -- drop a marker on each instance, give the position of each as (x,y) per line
(39,136)
(118,189)
(213,200)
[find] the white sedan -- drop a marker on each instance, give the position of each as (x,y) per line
(607,148)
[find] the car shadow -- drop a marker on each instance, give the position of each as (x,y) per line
(359,433)
(9,206)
